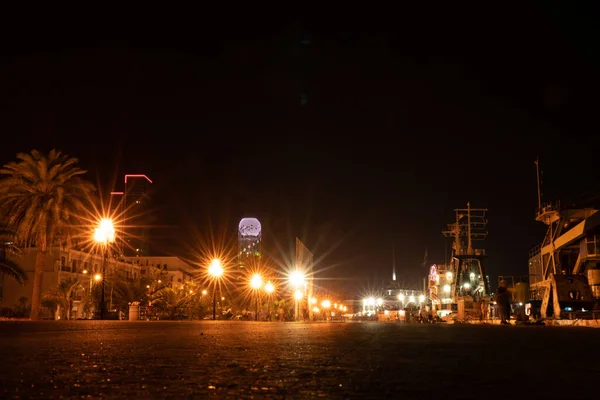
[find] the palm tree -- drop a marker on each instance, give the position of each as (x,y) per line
(42,197)
(62,296)
(129,291)
(9,267)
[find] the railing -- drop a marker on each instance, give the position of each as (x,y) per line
(473,252)
(547,207)
(535,250)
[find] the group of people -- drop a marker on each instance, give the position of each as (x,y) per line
(503,299)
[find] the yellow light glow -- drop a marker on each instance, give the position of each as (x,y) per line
(401,297)
(215,269)
(105,232)
(256,281)
(97,277)
(269,287)
(326,304)
(313,300)
(298,295)
(296,278)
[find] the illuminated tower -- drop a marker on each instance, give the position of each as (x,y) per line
(249,241)
(131,208)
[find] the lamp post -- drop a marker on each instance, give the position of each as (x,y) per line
(104,234)
(297,280)
(215,270)
(297,298)
(269,288)
(256,284)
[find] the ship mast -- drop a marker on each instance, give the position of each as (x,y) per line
(467,261)
(393,263)
(537,168)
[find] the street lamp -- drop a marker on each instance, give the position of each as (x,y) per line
(103,235)
(297,297)
(269,288)
(215,270)
(297,279)
(256,283)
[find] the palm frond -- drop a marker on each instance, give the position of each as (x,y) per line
(14,270)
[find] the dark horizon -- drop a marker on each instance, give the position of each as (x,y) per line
(369,131)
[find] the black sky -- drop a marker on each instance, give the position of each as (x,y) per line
(368,127)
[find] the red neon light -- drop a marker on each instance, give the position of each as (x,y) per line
(116,193)
(137,176)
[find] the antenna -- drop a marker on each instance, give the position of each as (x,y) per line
(393,263)
(537,169)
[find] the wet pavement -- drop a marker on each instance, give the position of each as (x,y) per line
(245,360)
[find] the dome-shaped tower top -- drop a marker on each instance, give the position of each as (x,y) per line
(249,227)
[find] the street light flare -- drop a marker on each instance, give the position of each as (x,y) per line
(215,269)
(269,287)
(105,232)
(296,278)
(256,281)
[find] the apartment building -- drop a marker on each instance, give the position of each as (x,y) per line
(61,264)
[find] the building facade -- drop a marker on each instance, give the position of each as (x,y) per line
(62,264)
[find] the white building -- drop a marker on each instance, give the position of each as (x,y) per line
(61,264)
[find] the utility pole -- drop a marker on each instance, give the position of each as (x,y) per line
(470,244)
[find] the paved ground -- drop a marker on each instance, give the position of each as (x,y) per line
(214,359)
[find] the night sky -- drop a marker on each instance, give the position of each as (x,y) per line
(353,130)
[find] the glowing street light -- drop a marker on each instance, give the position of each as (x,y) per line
(296,279)
(269,287)
(104,235)
(215,270)
(256,283)
(297,297)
